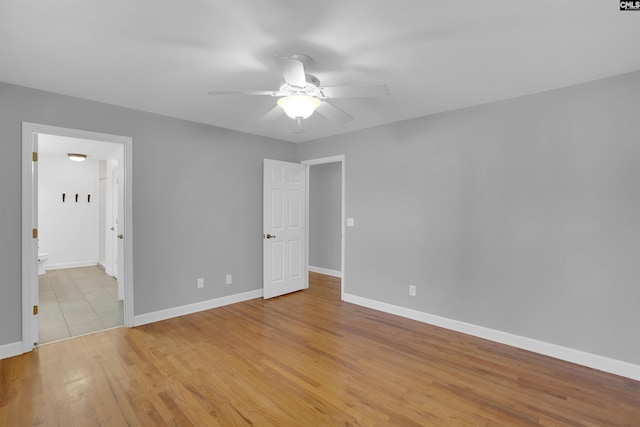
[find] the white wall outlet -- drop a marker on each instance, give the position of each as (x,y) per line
(228,279)
(351,222)
(200,282)
(412,290)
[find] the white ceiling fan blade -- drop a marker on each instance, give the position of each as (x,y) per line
(332,112)
(243,92)
(292,71)
(364,91)
(273,114)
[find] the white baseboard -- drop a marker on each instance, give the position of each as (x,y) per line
(10,350)
(334,273)
(102,266)
(579,357)
(74,264)
(169,313)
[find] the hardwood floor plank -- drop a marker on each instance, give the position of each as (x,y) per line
(303,359)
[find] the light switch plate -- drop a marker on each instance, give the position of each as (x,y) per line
(350,222)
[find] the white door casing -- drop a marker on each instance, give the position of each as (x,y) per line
(32,246)
(320,161)
(30,132)
(284,228)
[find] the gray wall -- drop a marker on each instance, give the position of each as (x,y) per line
(325,212)
(521,216)
(197,200)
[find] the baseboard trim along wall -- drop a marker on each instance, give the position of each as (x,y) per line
(74,264)
(579,357)
(10,350)
(334,273)
(169,313)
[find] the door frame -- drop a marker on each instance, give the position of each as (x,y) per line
(343,246)
(29,270)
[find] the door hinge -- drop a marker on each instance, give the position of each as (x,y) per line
(34,233)
(35,156)
(35,310)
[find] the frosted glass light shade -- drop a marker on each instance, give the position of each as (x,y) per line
(299,106)
(76,157)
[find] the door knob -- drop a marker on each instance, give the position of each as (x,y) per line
(120,236)
(270,236)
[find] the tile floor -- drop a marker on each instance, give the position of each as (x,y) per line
(77,301)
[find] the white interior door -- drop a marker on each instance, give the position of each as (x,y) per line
(118,245)
(284,228)
(114,222)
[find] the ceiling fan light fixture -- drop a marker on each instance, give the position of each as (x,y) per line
(299,106)
(76,157)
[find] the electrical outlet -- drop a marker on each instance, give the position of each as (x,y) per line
(351,222)
(412,290)
(229,279)
(200,282)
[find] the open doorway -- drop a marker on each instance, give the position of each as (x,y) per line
(326,216)
(70,227)
(77,228)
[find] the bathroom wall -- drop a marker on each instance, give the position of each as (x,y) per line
(68,231)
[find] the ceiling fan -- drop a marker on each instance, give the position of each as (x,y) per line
(300,94)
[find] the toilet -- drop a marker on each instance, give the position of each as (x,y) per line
(42,259)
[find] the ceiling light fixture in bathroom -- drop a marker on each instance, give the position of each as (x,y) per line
(77,157)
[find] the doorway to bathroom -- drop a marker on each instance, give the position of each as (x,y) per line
(76,233)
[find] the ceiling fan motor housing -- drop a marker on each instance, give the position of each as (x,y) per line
(304,58)
(312,88)
(312,80)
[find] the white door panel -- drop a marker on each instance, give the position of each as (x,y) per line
(284,223)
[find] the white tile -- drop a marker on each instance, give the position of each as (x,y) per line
(83,300)
(86,328)
(105,306)
(53,332)
(78,317)
(98,295)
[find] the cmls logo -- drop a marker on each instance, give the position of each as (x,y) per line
(629,5)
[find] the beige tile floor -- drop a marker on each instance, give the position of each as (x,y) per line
(77,301)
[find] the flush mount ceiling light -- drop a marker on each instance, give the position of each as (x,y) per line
(299,106)
(77,157)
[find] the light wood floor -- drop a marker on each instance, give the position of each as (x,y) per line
(304,359)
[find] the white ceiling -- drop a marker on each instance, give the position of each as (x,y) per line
(60,146)
(162,56)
